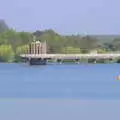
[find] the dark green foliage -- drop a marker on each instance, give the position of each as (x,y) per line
(118,61)
(15,42)
(3,26)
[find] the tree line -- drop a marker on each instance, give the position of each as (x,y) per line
(13,43)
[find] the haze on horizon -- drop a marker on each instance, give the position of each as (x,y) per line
(65,17)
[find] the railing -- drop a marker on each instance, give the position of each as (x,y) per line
(108,55)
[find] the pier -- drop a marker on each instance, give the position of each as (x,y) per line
(37,54)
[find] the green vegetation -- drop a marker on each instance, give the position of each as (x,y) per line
(71,50)
(6,53)
(13,43)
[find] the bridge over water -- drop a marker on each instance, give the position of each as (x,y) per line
(71,56)
(37,54)
(42,58)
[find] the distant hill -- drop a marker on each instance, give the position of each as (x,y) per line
(102,38)
(106,38)
(3,26)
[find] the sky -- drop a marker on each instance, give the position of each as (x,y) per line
(63,16)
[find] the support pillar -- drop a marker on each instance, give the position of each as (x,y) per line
(60,61)
(77,61)
(37,61)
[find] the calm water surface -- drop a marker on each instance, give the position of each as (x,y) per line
(91,81)
(59,92)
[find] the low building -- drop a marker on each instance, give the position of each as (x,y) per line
(93,52)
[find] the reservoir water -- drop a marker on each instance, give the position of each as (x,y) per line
(84,81)
(59,92)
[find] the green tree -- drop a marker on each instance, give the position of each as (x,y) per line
(23,49)
(88,43)
(6,53)
(71,50)
(25,37)
(102,51)
(116,43)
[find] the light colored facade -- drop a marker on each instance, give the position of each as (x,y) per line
(93,52)
(37,48)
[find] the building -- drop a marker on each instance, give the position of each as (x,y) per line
(93,51)
(37,47)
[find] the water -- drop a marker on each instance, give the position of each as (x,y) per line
(84,81)
(59,92)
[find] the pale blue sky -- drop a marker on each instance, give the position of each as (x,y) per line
(65,16)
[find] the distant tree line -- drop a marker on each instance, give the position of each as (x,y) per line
(13,43)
